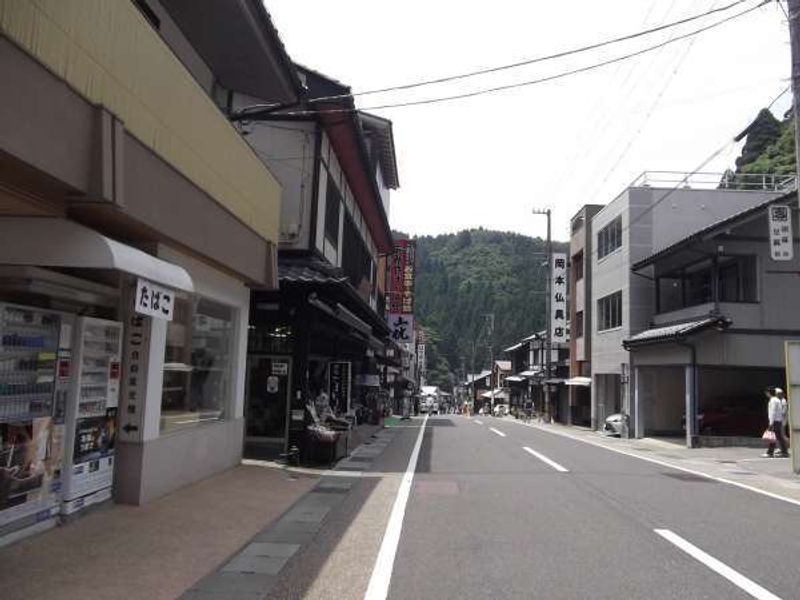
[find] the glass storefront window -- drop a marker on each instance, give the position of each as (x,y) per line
(197,363)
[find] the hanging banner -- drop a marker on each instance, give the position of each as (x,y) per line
(558,299)
(402,269)
(781,243)
(153,300)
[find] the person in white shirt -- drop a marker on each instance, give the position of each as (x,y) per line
(776,408)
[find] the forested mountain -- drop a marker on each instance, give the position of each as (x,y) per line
(463,276)
(769,148)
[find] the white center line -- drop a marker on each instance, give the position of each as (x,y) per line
(545,460)
(479,422)
(736,578)
(497,431)
(378,588)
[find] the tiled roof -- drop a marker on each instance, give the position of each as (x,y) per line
(675,331)
(305,273)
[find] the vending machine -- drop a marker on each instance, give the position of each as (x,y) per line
(35,354)
(91,414)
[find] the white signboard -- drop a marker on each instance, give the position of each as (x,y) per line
(401,327)
(153,300)
(558,299)
(780,232)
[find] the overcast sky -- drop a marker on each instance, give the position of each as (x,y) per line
(487,161)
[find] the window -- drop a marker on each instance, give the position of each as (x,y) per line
(609,311)
(609,238)
(577,267)
(333,205)
(579,324)
(197,363)
(357,262)
(738,279)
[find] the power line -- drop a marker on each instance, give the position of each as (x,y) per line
(501,88)
(530,61)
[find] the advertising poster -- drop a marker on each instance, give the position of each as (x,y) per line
(29,461)
(95,437)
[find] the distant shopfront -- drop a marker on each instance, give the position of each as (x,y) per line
(315,339)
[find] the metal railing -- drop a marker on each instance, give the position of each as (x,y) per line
(705,180)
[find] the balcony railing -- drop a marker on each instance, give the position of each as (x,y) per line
(705,180)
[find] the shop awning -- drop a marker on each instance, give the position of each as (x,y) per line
(579,381)
(516,378)
(54,242)
(530,373)
(499,394)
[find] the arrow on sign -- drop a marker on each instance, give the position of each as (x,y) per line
(128,428)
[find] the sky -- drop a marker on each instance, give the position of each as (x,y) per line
(490,160)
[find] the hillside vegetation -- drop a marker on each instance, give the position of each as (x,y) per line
(463,276)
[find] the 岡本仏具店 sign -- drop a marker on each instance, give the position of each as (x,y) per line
(153,300)
(781,243)
(558,299)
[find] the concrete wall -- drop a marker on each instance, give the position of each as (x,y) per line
(288,149)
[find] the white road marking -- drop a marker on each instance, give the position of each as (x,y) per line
(545,460)
(381,577)
(736,578)
(497,431)
(662,463)
(479,422)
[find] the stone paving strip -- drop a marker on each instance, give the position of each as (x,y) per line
(251,573)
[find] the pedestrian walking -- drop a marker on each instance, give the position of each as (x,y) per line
(775,415)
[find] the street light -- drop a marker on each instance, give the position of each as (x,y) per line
(548,319)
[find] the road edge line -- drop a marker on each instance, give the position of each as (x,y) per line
(744,583)
(662,463)
(381,577)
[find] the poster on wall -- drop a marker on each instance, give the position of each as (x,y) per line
(402,272)
(558,299)
(29,461)
(339,385)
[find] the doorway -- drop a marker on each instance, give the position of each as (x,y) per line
(267,406)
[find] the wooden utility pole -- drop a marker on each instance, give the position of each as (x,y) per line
(794,38)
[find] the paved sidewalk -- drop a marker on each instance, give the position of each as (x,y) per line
(155,551)
(741,465)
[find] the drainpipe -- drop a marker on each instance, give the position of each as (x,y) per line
(692,437)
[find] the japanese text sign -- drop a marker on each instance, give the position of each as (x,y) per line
(558,298)
(401,277)
(781,244)
(153,300)
(401,328)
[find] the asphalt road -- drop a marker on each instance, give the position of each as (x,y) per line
(487,518)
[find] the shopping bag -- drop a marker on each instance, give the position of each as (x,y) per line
(768,436)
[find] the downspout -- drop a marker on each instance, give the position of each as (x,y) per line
(692,436)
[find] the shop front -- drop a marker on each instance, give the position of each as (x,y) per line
(314,355)
(64,292)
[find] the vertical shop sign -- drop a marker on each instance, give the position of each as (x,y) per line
(134,382)
(339,385)
(781,243)
(401,292)
(558,299)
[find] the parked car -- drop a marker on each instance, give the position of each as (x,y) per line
(500,410)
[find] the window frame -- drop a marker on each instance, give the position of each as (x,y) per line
(609,312)
(608,236)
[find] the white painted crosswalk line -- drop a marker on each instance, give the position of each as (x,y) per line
(497,431)
(545,460)
(736,578)
(479,422)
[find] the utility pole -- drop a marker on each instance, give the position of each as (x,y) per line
(794,38)
(548,309)
(489,338)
